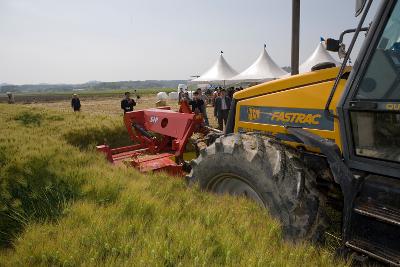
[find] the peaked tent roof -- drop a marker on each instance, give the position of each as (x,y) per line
(319,55)
(263,69)
(219,72)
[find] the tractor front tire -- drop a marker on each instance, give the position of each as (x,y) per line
(268,172)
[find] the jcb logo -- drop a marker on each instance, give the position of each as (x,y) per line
(253,114)
(393,106)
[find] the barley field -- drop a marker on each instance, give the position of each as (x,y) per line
(63,204)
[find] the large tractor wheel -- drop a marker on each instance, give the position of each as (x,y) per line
(268,172)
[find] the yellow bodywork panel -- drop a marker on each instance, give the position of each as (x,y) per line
(297,101)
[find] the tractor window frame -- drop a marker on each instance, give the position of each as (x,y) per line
(354,161)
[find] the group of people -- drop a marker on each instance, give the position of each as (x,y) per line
(229,92)
(221,101)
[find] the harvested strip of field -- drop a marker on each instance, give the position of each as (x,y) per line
(101,105)
(62,204)
(51,97)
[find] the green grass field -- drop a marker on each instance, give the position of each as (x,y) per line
(62,204)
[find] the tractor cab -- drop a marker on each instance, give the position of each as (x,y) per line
(371,108)
(370,129)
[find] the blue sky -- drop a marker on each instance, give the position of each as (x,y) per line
(76,41)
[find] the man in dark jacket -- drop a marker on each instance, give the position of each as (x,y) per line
(205,100)
(75,103)
(197,103)
(221,108)
(127,103)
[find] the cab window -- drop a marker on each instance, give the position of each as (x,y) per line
(376,120)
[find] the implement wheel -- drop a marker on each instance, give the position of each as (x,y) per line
(269,173)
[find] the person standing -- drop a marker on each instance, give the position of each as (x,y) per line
(197,103)
(214,96)
(181,95)
(205,100)
(75,103)
(208,93)
(10,98)
(127,103)
(137,96)
(231,91)
(221,109)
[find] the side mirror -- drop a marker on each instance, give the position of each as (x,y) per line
(359,6)
(332,45)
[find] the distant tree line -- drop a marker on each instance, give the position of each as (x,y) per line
(91,86)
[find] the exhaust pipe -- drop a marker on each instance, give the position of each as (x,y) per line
(295,36)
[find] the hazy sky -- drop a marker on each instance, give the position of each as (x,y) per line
(72,41)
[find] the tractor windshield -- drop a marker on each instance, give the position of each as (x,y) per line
(382,79)
(377,128)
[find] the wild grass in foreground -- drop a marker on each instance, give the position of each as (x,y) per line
(62,204)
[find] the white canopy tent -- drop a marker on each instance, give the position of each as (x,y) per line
(319,55)
(263,69)
(220,72)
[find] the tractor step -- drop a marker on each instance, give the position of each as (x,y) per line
(379,211)
(375,251)
(375,220)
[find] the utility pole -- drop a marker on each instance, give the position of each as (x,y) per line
(295,36)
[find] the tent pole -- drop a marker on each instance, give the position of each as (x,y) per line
(295,36)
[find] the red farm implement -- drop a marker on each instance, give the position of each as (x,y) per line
(160,136)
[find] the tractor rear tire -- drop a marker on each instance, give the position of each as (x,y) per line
(270,173)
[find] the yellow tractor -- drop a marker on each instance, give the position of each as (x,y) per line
(329,135)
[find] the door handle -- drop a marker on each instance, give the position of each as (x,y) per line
(363,105)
